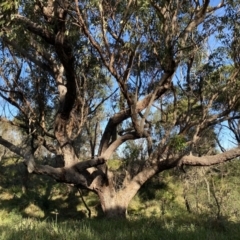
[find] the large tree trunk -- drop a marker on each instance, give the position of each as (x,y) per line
(113,204)
(115,201)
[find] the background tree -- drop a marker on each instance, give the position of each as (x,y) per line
(76,59)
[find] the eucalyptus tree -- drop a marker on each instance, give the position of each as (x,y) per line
(63,62)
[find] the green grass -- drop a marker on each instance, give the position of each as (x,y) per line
(157,212)
(13,226)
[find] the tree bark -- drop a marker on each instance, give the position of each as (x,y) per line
(113,204)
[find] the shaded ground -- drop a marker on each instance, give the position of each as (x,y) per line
(49,210)
(94,229)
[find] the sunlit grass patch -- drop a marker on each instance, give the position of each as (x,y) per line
(6,196)
(34,211)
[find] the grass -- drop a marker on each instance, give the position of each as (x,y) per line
(157,212)
(16,227)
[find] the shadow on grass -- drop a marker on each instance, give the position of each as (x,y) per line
(25,225)
(42,206)
(44,198)
(93,229)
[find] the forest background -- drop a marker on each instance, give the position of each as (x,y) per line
(124,110)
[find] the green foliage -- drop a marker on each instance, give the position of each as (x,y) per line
(8,9)
(177,143)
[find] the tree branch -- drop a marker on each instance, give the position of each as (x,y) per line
(211,160)
(35,28)
(28,56)
(164,85)
(74,175)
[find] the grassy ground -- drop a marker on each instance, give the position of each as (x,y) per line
(13,226)
(54,211)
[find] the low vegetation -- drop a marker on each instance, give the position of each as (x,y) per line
(197,203)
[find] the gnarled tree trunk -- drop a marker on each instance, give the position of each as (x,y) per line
(116,199)
(114,205)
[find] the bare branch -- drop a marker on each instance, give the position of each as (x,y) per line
(211,160)
(102,101)
(64,174)
(125,114)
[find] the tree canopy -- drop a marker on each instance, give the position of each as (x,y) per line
(83,79)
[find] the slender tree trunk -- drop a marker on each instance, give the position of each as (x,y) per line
(25,179)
